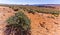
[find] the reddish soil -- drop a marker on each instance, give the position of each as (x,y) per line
(5,13)
(41,24)
(44,24)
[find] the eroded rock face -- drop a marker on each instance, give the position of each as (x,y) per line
(44,24)
(5,13)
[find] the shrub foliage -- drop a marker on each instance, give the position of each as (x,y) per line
(19,22)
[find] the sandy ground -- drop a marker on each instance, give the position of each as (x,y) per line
(5,13)
(44,24)
(41,24)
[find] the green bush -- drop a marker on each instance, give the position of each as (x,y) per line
(31,11)
(19,21)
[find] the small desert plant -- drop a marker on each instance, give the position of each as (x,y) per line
(19,23)
(31,11)
(47,11)
(15,9)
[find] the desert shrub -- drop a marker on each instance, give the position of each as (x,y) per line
(16,9)
(47,11)
(31,11)
(19,22)
(37,10)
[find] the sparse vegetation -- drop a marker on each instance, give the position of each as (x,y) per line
(15,9)
(31,11)
(19,24)
(48,11)
(39,10)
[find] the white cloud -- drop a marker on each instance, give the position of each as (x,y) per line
(6,1)
(18,2)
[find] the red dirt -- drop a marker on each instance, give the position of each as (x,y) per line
(5,13)
(43,24)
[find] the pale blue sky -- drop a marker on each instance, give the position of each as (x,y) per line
(30,1)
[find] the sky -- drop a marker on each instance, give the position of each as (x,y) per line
(30,1)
